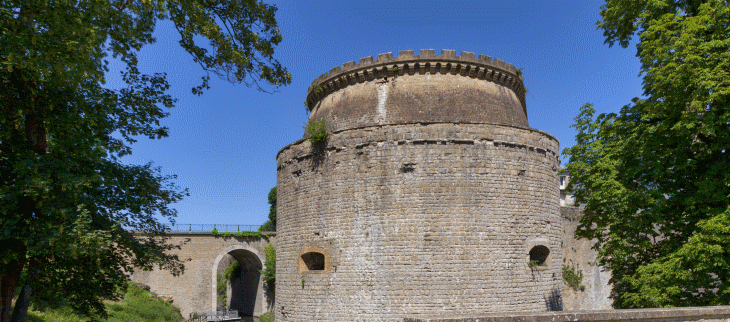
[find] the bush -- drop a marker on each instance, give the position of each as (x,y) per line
(318,131)
(573,277)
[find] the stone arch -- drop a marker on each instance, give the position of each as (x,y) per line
(247,294)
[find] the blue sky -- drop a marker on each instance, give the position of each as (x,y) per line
(223,144)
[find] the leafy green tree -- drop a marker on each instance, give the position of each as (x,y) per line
(654,178)
(64,194)
(270,225)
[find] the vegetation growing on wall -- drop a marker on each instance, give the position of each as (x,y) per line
(318,131)
(221,290)
(240,234)
(269,272)
(534,263)
(232,273)
(573,276)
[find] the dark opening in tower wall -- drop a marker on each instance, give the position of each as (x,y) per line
(314,261)
(539,254)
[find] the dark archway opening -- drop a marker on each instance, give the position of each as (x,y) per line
(538,255)
(243,292)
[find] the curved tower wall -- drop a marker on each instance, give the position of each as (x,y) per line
(426,199)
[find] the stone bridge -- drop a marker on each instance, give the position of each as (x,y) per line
(205,256)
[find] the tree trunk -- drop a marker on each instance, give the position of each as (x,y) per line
(10,276)
(21,305)
(35,134)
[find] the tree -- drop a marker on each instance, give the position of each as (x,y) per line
(270,225)
(654,178)
(64,194)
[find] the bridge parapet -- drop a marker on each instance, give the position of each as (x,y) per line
(218,227)
(205,256)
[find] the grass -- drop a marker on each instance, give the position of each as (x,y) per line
(136,306)
(267,317)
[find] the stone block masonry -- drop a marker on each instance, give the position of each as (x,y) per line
(431,196)
(204,256)
(683,314)
(579,256)
(431,200)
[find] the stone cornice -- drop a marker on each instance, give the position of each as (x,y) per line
(555,154)
(482,67)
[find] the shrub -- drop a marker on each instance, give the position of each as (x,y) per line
(318,131)
(573,277)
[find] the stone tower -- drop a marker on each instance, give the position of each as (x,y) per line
(431,197)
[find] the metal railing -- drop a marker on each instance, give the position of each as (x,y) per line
(209,227)
(213,316)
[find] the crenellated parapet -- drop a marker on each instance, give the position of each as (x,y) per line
(431,195)
(406,63)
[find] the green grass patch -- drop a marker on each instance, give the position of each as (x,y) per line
(267,317)
(136,306)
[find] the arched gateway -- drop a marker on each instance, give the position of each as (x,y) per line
(244,294)
(205,256)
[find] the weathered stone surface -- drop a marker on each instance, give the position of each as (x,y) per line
(203,256)
(417,88)
(684,314)
(426,199)
(578,254)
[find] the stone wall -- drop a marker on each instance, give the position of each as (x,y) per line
(579,255)
(419,88)
(432,195)
(684,314)
(204,255)
(418,220)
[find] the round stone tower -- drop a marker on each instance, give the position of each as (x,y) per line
(432,196)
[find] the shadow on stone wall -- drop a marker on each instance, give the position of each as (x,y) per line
(553,301)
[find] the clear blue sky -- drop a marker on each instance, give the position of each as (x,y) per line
(223,144)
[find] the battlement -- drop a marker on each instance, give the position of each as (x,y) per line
(406,63)
(431,195)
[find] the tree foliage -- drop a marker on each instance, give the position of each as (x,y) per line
(654,178)
(270,225)
(64,193)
